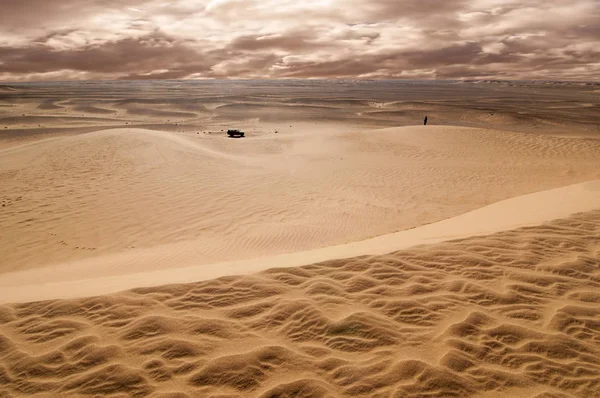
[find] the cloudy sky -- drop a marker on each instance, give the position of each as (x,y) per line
(370,39)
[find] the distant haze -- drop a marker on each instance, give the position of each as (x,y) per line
(365,39)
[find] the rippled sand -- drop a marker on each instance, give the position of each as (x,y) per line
(514,313)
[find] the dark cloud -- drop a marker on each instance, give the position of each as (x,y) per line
(22,15)
(255,66)
(382,10)
(338,68)
(134,57)
(292,41)
(452,55)
(137,39)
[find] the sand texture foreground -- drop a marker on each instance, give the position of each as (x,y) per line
(511,314)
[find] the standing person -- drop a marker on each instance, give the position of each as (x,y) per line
(425,121)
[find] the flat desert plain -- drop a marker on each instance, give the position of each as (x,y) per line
(340,249)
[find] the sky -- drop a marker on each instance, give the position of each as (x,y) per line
(271,39)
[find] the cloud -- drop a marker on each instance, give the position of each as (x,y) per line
(137,39)
(130,56)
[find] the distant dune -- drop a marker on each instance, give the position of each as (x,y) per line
(49,105)
(7,88)
(93,109)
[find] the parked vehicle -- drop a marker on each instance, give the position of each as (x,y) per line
(235,133)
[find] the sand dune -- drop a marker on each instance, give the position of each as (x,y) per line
(178,262)
(395,260)
(569,109)
(49,105)
(511,314)
(93,109)
(4,87)
(265,195)
(145,111)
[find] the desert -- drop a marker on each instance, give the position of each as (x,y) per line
(341,248)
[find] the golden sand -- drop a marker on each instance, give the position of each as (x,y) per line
(338,250)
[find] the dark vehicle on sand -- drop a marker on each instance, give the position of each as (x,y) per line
(235,133)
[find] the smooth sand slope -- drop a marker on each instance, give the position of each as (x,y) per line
(178,263)
(512,314)
(117,191)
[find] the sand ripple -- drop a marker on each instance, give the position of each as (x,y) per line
(511,314)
